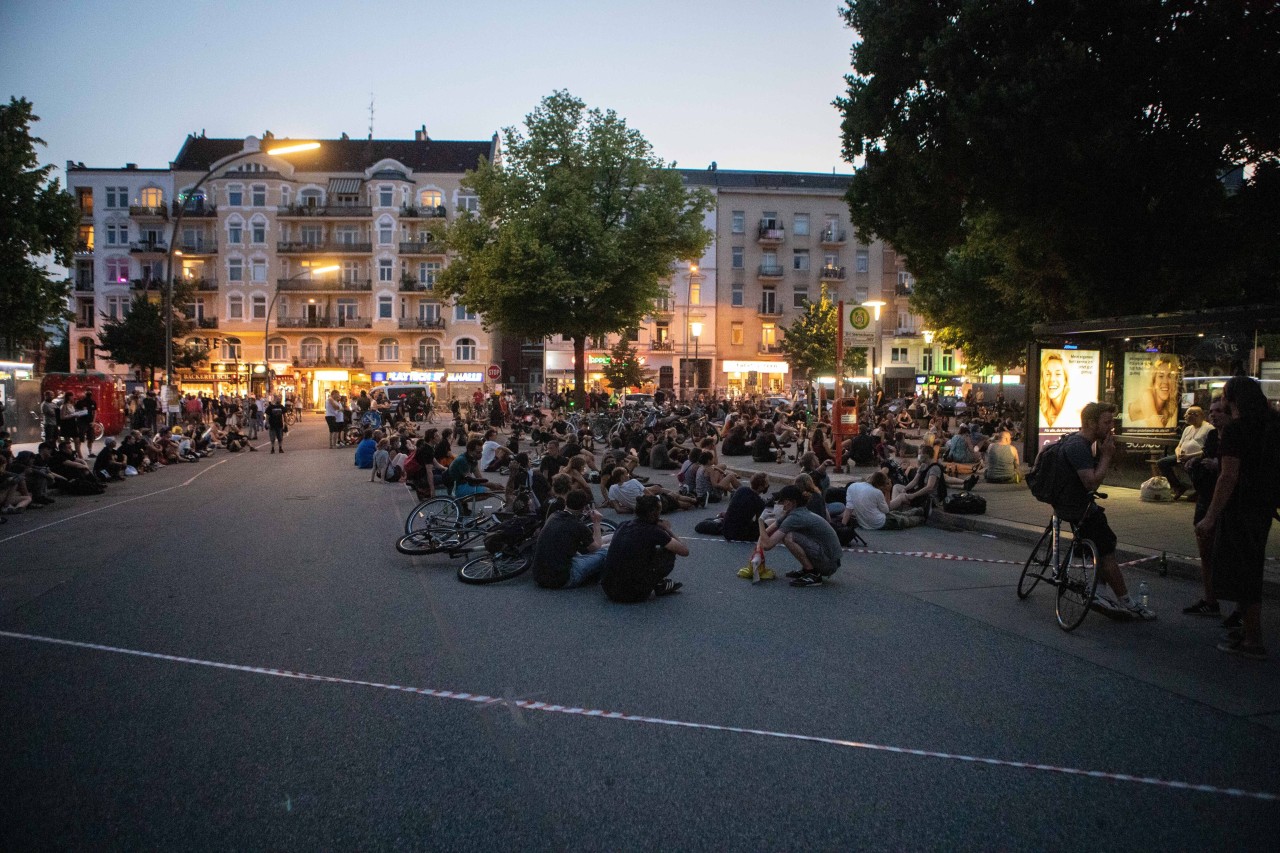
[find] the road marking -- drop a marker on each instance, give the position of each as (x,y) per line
(527,705)
(186,482)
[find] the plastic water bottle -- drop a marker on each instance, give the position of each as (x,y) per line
(1144,594)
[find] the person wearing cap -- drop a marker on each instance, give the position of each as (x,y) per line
(1189,446)
(810,539)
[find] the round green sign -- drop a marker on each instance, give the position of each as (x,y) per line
(860,318)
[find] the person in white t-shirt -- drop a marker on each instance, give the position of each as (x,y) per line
(868,503)
(493,455)
(1189,446)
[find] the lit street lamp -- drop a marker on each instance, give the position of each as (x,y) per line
(875,305)
(685,379)
(696,328)
(266,326)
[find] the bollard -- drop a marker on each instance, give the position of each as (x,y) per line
(1164,565)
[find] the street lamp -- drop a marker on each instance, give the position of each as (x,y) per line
(685,380)
(292,148)
(696,328)
(875,305)
(266,326)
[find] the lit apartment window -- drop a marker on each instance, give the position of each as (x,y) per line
(695,293)
(768,335)
(735,334)
(430,198)
(151,197)
(117,269)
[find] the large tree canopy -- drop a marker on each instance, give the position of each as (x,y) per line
(579,223)
(1082,158)
(36,219)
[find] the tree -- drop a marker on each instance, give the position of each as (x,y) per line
(37,219)
(810,342)
(1041,161)
(57,354)
(138,338)
(579,224)
(624,369)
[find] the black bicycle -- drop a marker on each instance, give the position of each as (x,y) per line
(1071,566)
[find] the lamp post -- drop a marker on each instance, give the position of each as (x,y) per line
(173,244)
(875,305)
(685,381)
(266,326)
(696,328)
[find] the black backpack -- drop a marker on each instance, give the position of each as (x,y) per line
(966,503)
(1046,478)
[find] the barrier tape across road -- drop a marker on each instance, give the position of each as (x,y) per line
(483,700)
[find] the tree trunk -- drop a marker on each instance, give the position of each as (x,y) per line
(580,370)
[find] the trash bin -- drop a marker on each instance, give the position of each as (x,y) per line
(847,412)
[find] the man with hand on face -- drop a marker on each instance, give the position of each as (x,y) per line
(569,552)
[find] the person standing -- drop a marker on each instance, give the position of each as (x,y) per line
(297,406)
(89,408)
(49,416)
(333,417)
(1239,518)
(69,421)
(1203,470)
(274,415)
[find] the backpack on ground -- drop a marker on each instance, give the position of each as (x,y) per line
(713,526)
(966,503)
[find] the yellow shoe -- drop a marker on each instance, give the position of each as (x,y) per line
(767,575)
(747,572)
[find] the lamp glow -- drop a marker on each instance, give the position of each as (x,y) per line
(294,148)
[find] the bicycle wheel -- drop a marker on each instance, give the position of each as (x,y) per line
(491,568)
(1077,581)
(435,512)
(97,431)
(430,540)
(353,434)
(1038,564)
(481,506)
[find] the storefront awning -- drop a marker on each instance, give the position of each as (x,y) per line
(344,186)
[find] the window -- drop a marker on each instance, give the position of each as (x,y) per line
(312,235)
(800,296)
(768,301)
(769,220)
(739,222)
(899,355)
(284,196)
(430,198)
(232,349)
(235,269)
(347,235)
(258,231)
(739,257)
(388,349)
(385,269)
(948,361)
(151,197)
(465,349)
(258,271)
(460,312)
(351,272)
(427,272)
(259,306)
(862,261)
(735,334)
(118,235)
(259,195)
(84,196)
(769,261)
(386,195)
(117,270)
(429,351)
(309,198)
(385,304)
(348,350)
(737,294)
(117,197)
(235,232)
(831,260)
(116,307)
(695,293)
(86,353)
(428,312)
(84,239)
(348,309)
(800,225)
(235,195)
(235,307)
(633,334)
(277,349)
(309,350)
(386,232)
(800,260)
(468,204)
(926,361)
(768,335)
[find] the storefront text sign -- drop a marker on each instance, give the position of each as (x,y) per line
(755,366)
(410,376)
(476,376)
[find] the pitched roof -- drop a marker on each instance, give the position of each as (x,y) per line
(346,155)
(729,179)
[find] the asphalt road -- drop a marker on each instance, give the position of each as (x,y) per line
(731,716)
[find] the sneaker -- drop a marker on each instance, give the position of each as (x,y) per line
(1252,651)
(667,586)
(1203,608)
(807,579)
(746,572)
(795,573)
(1138,610)
(768,575)
(1105,601)
(1235,620)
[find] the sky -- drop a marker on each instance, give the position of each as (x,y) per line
(745,83)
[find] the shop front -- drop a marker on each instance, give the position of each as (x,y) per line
(560,370)
(755,377)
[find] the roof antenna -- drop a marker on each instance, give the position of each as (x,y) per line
(371,115)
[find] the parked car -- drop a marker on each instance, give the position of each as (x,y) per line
(637,400)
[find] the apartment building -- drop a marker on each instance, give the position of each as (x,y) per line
(317,268)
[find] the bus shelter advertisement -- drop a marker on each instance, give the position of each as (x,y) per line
(1068,380)
(1151,385)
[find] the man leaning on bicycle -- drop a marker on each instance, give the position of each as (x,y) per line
(1075,503)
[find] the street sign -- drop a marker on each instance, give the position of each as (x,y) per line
(494,372)
(859,318)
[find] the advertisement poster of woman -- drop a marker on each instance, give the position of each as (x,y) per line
(1068,380)
(1151,383)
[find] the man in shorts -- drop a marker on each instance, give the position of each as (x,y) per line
(810,539)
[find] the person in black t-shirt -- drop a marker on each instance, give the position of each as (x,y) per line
(569,553)
(641,556)
(552,461)
(275,423)
(766,448)
(744,508)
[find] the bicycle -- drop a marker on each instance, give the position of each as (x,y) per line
(505,558)
(1073,569)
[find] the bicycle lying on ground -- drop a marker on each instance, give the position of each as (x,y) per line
(1071,566)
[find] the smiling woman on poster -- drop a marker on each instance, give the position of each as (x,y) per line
(1054,388)
(1155,406)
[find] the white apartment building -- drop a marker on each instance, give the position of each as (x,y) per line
(250,239)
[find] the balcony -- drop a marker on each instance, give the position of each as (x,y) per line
(83,247)
(906,332)
(771,271)
(323,323)
(325,247)
(158,211)
(193,210)
(771,349)
(770,233)
(339,211)
(205,284)
(769,309)
(832,274)
(319,286)
(664,307)
(84,321)
(428,363)
(207,323)
(84,285)
(329,361)
(834,237)
(901,289)
(413,211)
(660,346)
(146,284)
(422,247)
(199,246)
(149,247)
(412,285)
(427,325)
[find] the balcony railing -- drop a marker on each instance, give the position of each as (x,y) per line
(146,283)
(331,210)
(422,247)
(84,321)
(769,309)
(664,306)
(434,324)
(833,236)
(423,212)
(327,286)
(660,346)
(198,247)
(770,349)
(156,247)
(149,211)
(324,323)
(83,247)
(408,285)
(832,273)
(427,363)
(903,289)
(770,271)
(337,247)
(203,283)
(770,232)
(207,323)
(84,285)
(329,361)
(192,210)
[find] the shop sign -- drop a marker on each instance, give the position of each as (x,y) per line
(755,366)
(859,318)
(407,376)
(475,376)
(599,359)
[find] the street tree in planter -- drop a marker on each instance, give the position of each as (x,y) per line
(624,370)
(138,340)
(579,224)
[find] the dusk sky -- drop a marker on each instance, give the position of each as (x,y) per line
(746,83)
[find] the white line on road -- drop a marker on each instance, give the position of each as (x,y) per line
(525,704)
(186,482)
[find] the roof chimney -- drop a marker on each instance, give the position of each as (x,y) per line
(420,135)
(131,165)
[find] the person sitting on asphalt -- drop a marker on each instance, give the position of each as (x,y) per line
(381,458)
(569,553)
(1002,460)
(1189,446)
(493,455)
(660,456)
(366,450)
(959,449)
(810,539)
(713,482)
(236,440)
(110,462)
(642,555)
(766,448)
(743,511)
(463,475)
(624,490)
(867,502)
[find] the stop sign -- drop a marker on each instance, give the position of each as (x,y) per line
(494,372)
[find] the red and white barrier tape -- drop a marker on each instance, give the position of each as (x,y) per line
(527,705)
